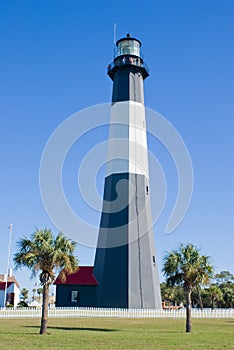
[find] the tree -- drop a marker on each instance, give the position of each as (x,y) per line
(167,293)
(185,266)
(214,294)
(228,295)
(197,297)
(174,295)
(24,293)
(22,304)
(225,281)
(224,277)
(46,255)
(34,291)
(39,292)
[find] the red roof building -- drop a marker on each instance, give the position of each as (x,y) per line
(3,285)
(9,279)
(12,295)
(83,276)
(78,289)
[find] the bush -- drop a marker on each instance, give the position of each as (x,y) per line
(22,304)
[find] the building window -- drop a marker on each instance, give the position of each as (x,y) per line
(154,260)
(147,189)
(74,296)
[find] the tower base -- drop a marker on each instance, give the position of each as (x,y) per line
(125,262)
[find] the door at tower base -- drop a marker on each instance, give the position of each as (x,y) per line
(125,263)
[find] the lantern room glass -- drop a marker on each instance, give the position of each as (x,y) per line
(128,47)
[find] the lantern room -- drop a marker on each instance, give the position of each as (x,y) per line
(128,46)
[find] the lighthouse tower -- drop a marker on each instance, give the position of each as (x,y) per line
(125,262)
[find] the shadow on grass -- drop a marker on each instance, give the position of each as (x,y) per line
(76,328)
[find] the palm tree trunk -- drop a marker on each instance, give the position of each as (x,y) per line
(212,303)
(188,311)
(45,303)
(199,297)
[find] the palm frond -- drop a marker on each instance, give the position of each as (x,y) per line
(187,266)
(42,252)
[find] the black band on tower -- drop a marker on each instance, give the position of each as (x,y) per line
(128,86)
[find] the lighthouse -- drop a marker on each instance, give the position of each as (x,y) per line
(125,262)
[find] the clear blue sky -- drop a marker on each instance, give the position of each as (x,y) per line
(53,63)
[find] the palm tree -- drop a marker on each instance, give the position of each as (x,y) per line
(24,293)
(185,266)
(228,295)
(34,291)
(46,255)
(173,294)
(168,294)
(198,289)
(214,293)
(224,277)
(39,292)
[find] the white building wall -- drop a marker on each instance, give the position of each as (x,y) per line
(17,295)
(11,289)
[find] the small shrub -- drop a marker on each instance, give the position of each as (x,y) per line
(22,304)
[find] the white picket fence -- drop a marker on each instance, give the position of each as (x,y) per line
(61,312)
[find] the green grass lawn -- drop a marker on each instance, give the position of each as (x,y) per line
(116,333)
